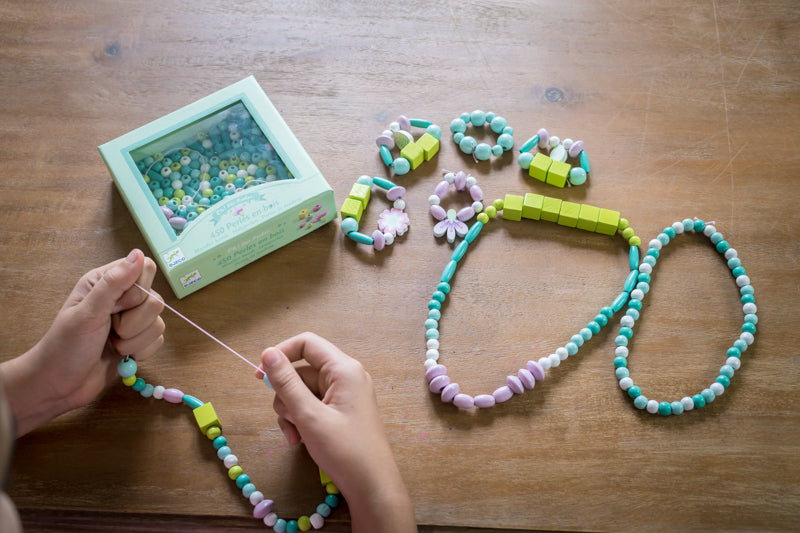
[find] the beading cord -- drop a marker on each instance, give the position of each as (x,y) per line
(553,168)
(392,222)
(210,426)
(734,353)
(482,151)
(533,207)
(412,152)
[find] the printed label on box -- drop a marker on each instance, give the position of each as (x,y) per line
(174,258)
(191,278)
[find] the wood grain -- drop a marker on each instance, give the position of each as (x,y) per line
(686,108)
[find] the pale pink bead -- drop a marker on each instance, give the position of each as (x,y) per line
(465,214)
(435,370)
(263,508)
(438,383)
(515,384)
(544,138)
(576,149)
(502,394)
(404,123)
(173,396)
(449,392)
(441,189)
(378,240)
(316,521)
(385,140)
(463,401)
(460,180)
(438,212)
(395,193)
(526,378)
(484,400)
(476,193)
(536,369)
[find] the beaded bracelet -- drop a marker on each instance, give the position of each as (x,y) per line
(452,222)
(733,361)
(391,223)
(209,424)
(534,207)
(412,153)
(482,151)
(554,169)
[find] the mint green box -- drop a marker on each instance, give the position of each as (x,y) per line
(218,184)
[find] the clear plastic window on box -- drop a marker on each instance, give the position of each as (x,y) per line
(195,167)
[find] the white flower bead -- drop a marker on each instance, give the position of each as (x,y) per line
(434,200)
(730,253)
(562,353)
(741,281)
(230,461)
(450,178)
(432,354)
(733,362)
(652,406)
(545,362)
(749,308)
(709,230)
(688,403)
(158,390)
(655,243)
(256,497)
(678,227)
(621,351)
(554,360)
(626,321)
(389,238)
(477,207)
(747,337)
(399,204)
(554,141)
(644,268)
(429,363)
(394,126)
(637,294)
(433,344)
(471,181)
(625,383)
(717,388)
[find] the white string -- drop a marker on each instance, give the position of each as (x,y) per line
(212,337)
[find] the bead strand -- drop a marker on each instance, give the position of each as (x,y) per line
(553,168)
(412,153)
(392,222)
(734,353)
(452,222)
(482,151)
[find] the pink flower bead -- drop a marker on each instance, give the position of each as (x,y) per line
(463,401)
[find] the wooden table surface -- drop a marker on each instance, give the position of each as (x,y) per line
(686,108)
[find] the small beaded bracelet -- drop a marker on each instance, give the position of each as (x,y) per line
(391,223)
(452,222)
(554,169)
(209,424)
(734,354)
(534,207)
(482,151)
(412,153)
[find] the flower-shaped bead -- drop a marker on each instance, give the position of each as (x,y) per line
(449,225)
(394,221)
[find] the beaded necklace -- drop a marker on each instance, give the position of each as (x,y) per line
(534,207)
(208,422)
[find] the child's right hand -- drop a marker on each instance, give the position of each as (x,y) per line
(329,405)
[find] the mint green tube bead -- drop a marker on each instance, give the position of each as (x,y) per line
(361,238)
(473,232)
(448,272)
(630,284)
(386,155)
(633,258)
(620,300)
(383,183)
(191,401)
(584,161)
(530,143)
(460,250)
(420,123)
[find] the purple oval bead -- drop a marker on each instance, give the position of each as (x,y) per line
(263,508)
(441,189)
(404,123)
(460,180)
(465,214)
(484,400)
(434,371)
(502,394)
(395,193)
(476,193)
(536,369)
(438,383)
(463,401)
(378,240)
(173,396)
(515,384)
(526,378)
(438,212)
(449,392)
(544,138)
(576,149)
(177,222)
(385,140)
(167,212)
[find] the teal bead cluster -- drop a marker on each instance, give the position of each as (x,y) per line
(228,156)
(733,354)
(482,151)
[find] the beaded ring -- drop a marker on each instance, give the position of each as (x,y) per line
(452,223)
(554,169)
(412,153)
(734,353)
(209,424)
(391,223)
(482,151)
(534,207)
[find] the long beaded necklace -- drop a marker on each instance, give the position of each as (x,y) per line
(207,421)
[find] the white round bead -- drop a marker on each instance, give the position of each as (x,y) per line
(388,238)
(749,308)
(621,351)
(186,200)
(429,363)
(242,173)
(645,268)
(655,243)
(733,362)
(158,392)
(678,227)
(554,360)
(554,141)
(477,207)
(730,253)
(434,200)
(637,294)
(256,497)
(432,344)
(688,403)
(270,520)
(625,383)
(177,184)
(567,143)
(717,388)
(652,406)
(709,230)
(545,362)
(230,460)
(394,126)
(450,178)
(432,354)
(208,143)
(399,204)
(388,133)
(562,353)
(747,337)
(252,169)
(471,181)
(743,280)
(626,321)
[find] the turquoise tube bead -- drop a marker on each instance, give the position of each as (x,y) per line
(383,183)
(708,395)
(192,402)
(138,385)
(633,257)
(460,250)
(664,409)
(725,381)
(620,362)
(530,143)
(640,402)
(473,232)
(634,391)
(386,155)
(630,283)
(677,408)
(584,161)
(361,238)
(448,272)
(698,401)
(420,123)
(620,300)
(443,287)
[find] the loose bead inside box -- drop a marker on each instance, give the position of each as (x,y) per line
(218,184)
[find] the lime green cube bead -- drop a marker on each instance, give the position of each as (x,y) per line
(587,218)
(414,154)
(557,173)
(568,215)
(360,192)
(352,208)
(539,166)
(607,222)
(206,417)
(551,208)
(512,207)
(532,206)
(429,145)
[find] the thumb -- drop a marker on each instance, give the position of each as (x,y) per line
(120,277)
(282,376)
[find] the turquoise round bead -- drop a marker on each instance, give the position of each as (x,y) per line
(708,395)
(434,130)
(699,226)
(751,318)
(332,501)
(734,352)
(324,510)
(634,392)
(138,385)
(443,287)
(670,232)
(468,144)
(482,151)
(715,237)
(280,526)
(622,372)
(663,238)
(292,526)
(621,340)
(524,160)
(147,391)
(644,277)
(633,313)
(741,344)
(601,319)
(458,126)
(585,334)
(635,304)
(435,314)
(677,408)
(640,402)
(650,260)
(349,225)
(722,246)
(725,381)
(665,409)
(698,401)
(497,150)
(498,124)
(477,117)
(747,289)
(577,176)
(431,324)
(242,480)
(749,327)
(248,489)
(432,334)
(652,252)
(457,137)
(607,311)
(738,271)
(620,362)
(433,304)
(571,348)
(594,327)
(727,370)
(223,452)
(734,262)
(506,141)
(401,166)
(126,367)
(626,332)
(365,180)
(439,296)
(644,287)
(577,340)
(218,443)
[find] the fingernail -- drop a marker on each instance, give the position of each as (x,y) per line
(132,256)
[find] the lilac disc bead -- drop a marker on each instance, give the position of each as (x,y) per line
(536,369)
(404,123)
(385,140)
(544,138)
(463,401)
(484,400)
(576,149)
(526,378)
(449,392)
(502,394)
(263,508)
(515,384)
(173,395)
(395,193)
(438,383)
(435,371)
(378,240)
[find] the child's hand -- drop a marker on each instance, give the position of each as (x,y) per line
(104,318)
(329,404)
